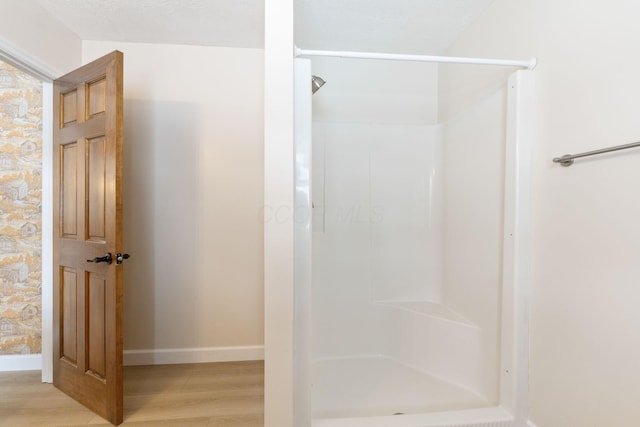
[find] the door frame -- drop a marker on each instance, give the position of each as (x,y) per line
(27,63)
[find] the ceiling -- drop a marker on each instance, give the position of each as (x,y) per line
(407,26)
(229,23)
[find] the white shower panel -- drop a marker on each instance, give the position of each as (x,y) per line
(381,386)
(474,155)
(342,314)
(420,269)
(434,340)
(406,197)
(378,215)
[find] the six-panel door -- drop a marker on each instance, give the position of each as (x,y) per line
(88,225)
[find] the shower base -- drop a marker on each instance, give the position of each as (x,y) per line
(381,386)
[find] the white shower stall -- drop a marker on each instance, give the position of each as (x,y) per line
(411,245)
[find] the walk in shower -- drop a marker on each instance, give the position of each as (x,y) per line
(411,244)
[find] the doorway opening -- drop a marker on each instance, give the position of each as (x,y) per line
(20,211)
(25,206)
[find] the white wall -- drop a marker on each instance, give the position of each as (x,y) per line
(586,238)
(278,229)
(193,178)
(368,91)
(45,43)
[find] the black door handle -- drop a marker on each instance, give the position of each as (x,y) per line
(121,257)
(106,258)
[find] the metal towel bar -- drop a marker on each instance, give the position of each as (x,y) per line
(567,159)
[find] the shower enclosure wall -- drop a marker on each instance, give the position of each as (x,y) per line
(411,239)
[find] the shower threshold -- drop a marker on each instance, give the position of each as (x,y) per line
(380,386)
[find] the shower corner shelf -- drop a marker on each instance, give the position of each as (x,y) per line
(428,308)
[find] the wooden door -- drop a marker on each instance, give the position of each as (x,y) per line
(87,298)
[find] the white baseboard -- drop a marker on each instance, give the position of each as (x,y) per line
(20,362)
(531,424)
(170,356)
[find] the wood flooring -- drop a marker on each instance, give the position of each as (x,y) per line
(226,394)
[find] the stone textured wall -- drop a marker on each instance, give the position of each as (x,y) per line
(20,211)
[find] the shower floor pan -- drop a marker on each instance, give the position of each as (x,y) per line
(380,386)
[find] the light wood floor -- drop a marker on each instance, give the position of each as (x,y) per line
(208,394)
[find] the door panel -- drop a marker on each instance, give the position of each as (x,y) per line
(97,96)
(96,177)
(96,297)
(69,316)
(88,224)
(69,191)
(69,107)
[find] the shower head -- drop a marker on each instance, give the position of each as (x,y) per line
(316,83)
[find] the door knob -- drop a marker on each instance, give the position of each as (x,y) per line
(106,258)
(121,257)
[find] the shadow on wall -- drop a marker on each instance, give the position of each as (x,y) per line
(139,219)
(161,197)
